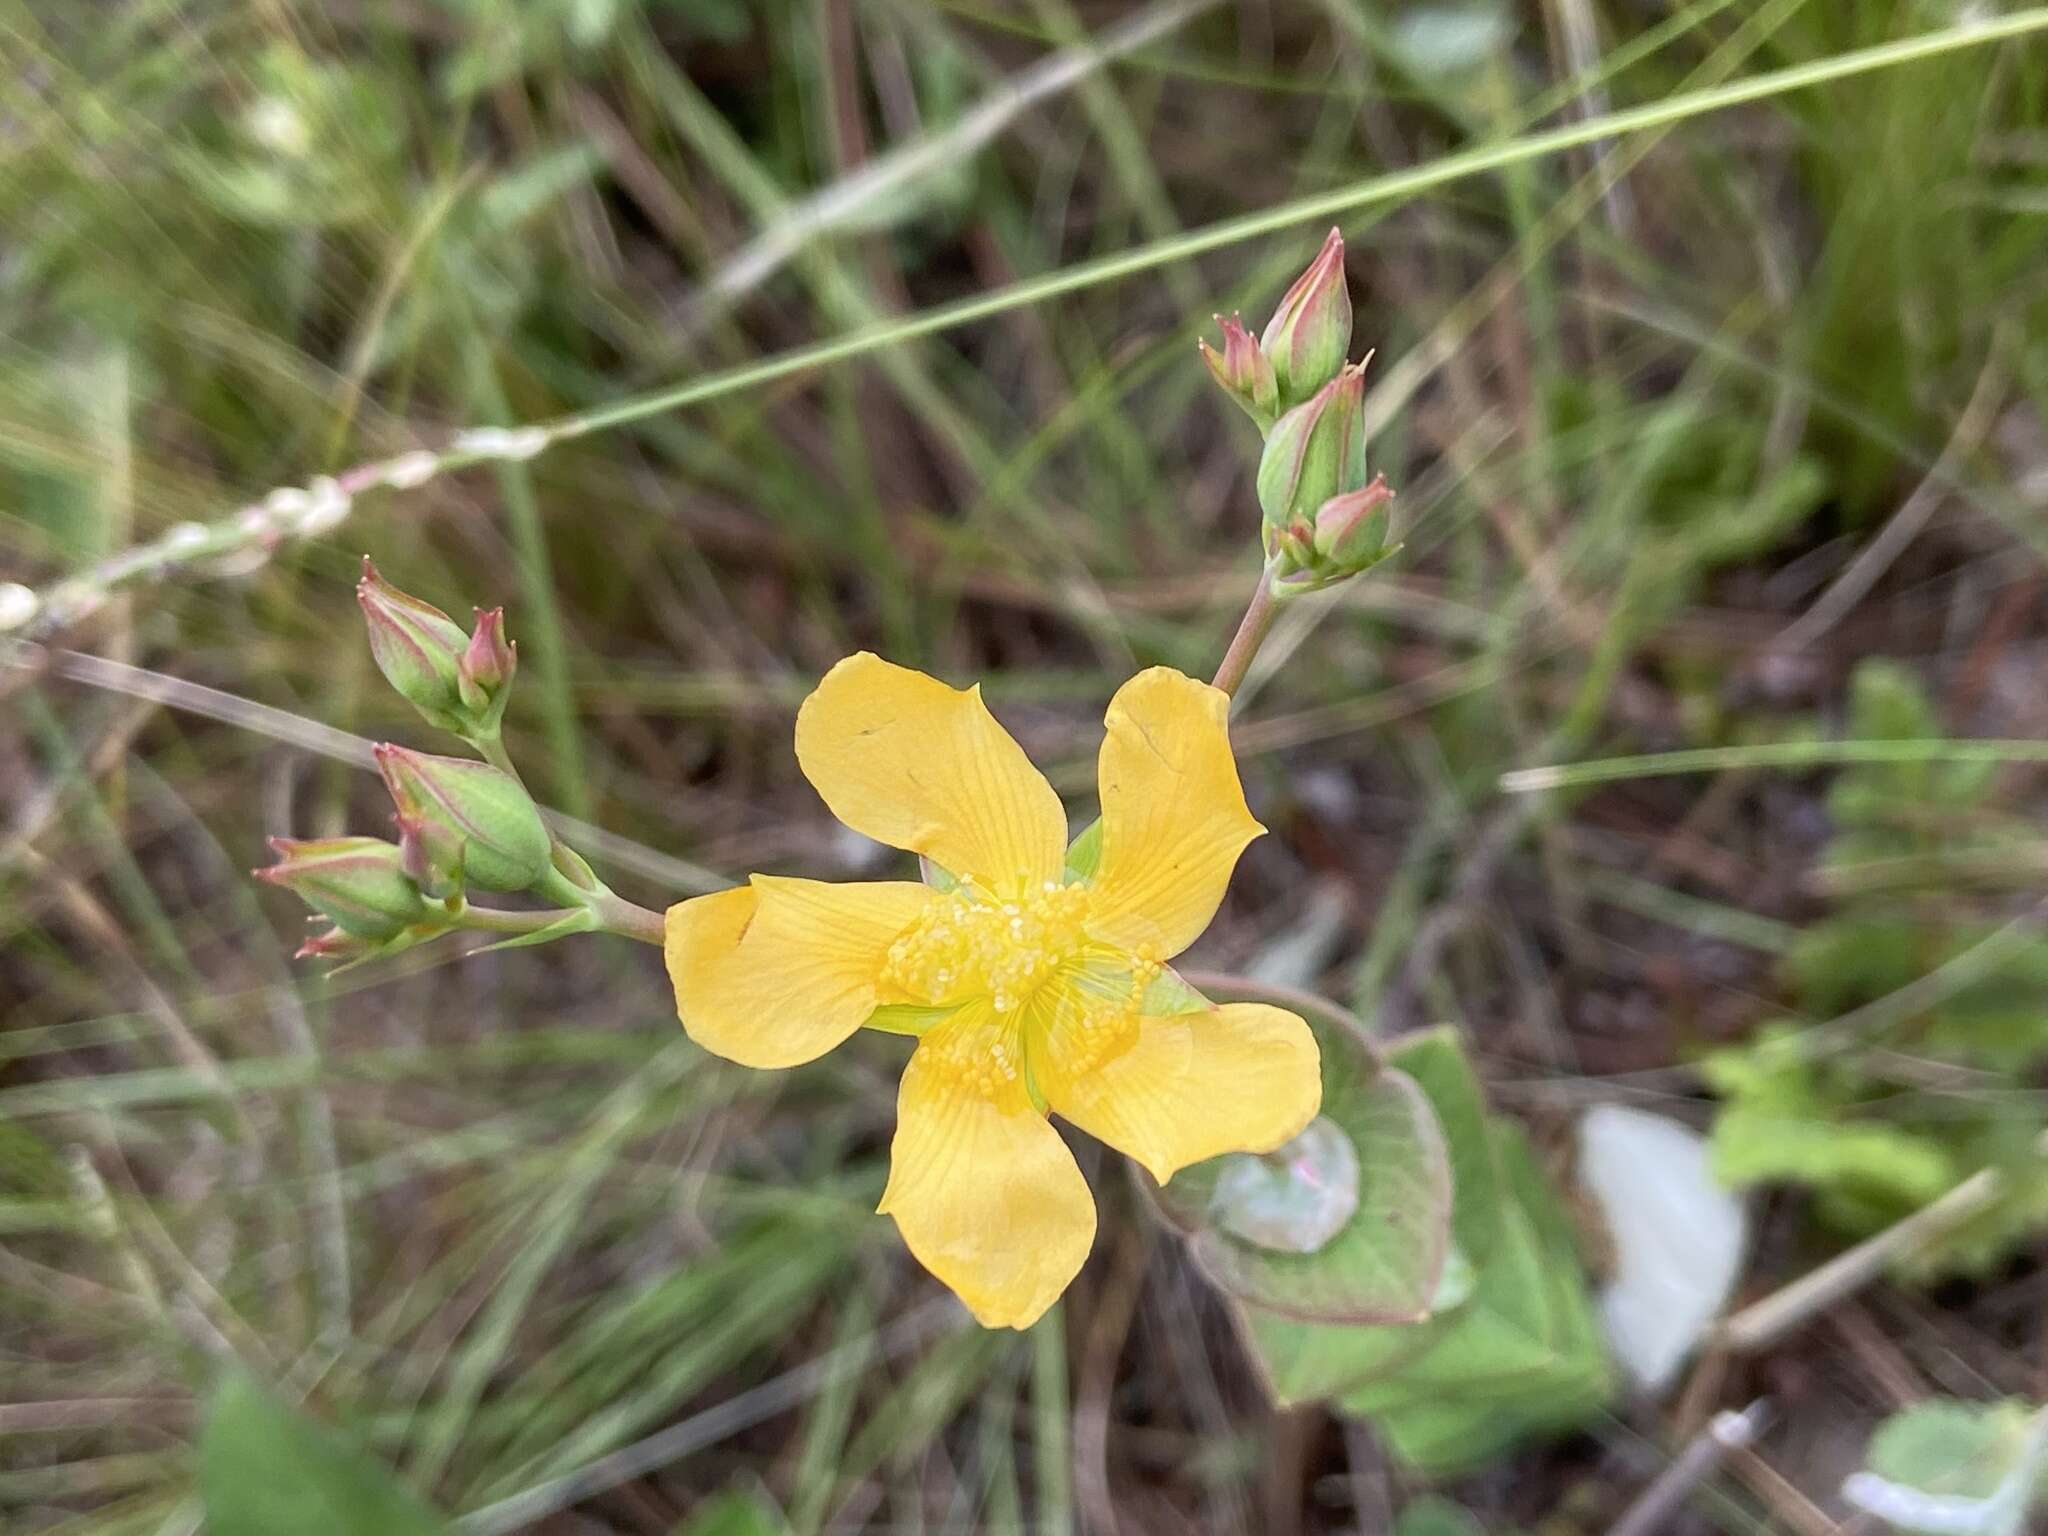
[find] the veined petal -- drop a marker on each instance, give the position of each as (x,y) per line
(980,1185)
(1242,1077)
(924,767)
(777,972)
(1173,814)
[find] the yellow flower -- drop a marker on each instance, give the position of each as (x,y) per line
(1027,990)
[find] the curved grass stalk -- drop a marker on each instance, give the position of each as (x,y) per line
(317,508)
(1768,754)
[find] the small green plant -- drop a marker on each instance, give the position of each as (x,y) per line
(1900,1099)
(1945,1468)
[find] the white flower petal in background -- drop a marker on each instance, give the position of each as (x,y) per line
(1678,1237)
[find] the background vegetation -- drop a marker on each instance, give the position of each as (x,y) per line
(1688,421)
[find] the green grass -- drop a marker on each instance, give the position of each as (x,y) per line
(493,1212)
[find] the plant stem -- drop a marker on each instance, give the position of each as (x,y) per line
(1251,632)
(614,914)
(627,919)
(491,749)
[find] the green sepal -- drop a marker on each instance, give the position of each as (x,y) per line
(1168,994)
(1084,854)
(584,921)
(911,1019)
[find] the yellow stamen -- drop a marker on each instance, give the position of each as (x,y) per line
(973,944)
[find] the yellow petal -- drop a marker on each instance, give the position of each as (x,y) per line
(1173,814)
(1172,1091)
(981,1186)
(777,972)
(918,765)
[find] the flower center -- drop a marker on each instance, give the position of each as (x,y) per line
(971,944)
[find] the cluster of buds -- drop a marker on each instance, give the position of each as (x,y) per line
(462,825)
(1322,518)
(458,682)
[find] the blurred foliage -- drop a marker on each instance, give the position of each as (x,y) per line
(1434,1515)
(265,1468)
(1947,1468)
(1878,1119)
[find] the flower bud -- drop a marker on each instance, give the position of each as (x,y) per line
(464,822)
(484,674)
(358,883)
(1292,545)
(1351,529)
(432,862)
(1309,334)
(1314,452)
(417,647)
(1243,372)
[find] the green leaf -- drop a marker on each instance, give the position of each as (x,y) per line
(1384,1263)
(1445,1436)
(1523,1357)
(265,1468)
(736,1512)
(1434,1515)
(1303,1362)
(1504,1336)
(1436,1059)
(1955,1469)
(1514,1347)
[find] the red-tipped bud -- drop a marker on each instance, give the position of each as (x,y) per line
(457,682)
(484,674)
(417,647)
(1315,452)
(357,883)
(464,821)
(1351,529)
(1291,545)
(1306,340)
(1242,371)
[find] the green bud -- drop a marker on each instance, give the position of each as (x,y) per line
(1243,373)
(1351,530)
(1314,452)
(417,647)
(357,883)
(1310,333)
(464,823)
